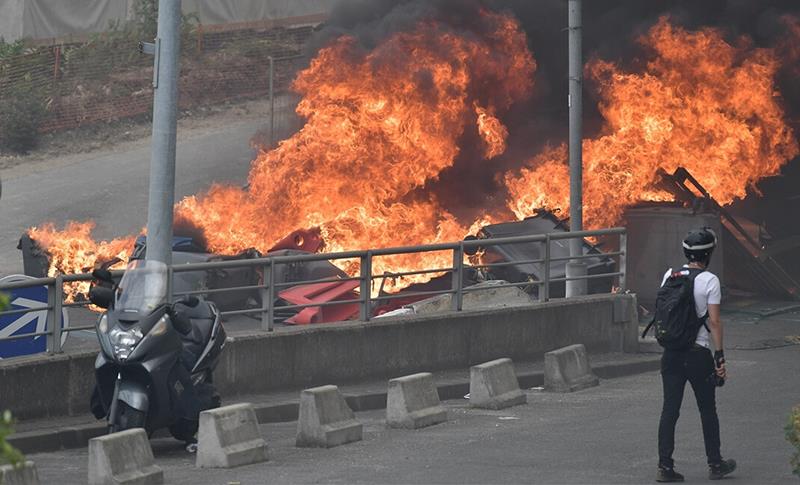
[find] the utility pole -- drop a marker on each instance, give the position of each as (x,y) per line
(165,112)
(576,267)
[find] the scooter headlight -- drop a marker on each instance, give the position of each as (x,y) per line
(124,341)
(102,325)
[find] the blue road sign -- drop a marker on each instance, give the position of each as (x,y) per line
(23,323)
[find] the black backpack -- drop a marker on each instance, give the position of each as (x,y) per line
(676,321)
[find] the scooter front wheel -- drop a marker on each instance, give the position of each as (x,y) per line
(127,418)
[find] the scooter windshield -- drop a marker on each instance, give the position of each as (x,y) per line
(143,287)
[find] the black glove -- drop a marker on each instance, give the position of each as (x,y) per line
(719,360)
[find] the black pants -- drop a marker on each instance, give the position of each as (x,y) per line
(695,365)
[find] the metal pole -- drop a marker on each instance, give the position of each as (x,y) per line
(547,268)
(366,287)
(165,111)
(544,283)
(271,102)
(623,261)
(55,300)
(575,101)
(265,299)
(271,296)
(457,301)
(170,284)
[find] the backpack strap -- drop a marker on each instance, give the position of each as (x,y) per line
(694,273)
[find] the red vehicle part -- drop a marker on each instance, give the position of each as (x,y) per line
(309,240)
(322,293)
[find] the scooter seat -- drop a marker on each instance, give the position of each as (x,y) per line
(201,329)
(196,340)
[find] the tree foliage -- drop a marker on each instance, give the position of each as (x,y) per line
(793,437)
(8,454)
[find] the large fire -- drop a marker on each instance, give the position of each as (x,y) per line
(700,103)
(380,124)
(383,123)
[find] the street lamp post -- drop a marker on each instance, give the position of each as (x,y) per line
(576,267)
(165,111)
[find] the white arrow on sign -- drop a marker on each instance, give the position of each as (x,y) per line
(26,318)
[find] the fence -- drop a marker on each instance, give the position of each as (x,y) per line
(269,288)
(106,78)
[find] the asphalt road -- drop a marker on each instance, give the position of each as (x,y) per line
(605,434)
(111,187)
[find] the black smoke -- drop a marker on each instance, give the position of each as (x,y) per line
(611,28)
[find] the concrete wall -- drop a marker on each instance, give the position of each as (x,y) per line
(338,353)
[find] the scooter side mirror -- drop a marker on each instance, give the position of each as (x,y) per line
(101,296)
(191,301)
(103,274)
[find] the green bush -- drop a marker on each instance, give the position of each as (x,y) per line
(8,454)
(11,49)
(793,437)
(22,109)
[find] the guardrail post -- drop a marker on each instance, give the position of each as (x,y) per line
(170,284)
(546,290)
(542,285)
(268,297)
(623,260)
(457,301)
(366,287)
(55,299)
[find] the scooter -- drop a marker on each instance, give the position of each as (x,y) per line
(156,363)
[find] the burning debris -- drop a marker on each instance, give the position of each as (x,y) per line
(700,103)
(392,123)
(524,271)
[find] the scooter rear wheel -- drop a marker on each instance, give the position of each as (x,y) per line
(127,418)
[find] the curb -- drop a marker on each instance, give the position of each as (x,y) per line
(45,441)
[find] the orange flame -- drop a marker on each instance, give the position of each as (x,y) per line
(701,103)
(74,251)
(493,132)
(383,123)
(380,124)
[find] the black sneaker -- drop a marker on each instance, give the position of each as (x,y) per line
(719,470)
(668,475)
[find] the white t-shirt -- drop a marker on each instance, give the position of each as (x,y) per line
(706,290)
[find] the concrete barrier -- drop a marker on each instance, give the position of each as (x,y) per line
(123,458)
(567,369)
(325,419)
(229,437)
(413,402)
(299,358)
(494,385)
(24,475)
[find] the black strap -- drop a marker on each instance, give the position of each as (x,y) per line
(647,328)
(694,273)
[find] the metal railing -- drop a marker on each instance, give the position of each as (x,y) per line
(268,288)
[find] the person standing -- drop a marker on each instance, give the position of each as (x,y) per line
(692,359)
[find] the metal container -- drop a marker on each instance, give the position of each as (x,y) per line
(655,237)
